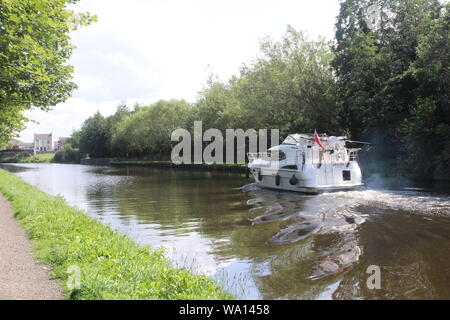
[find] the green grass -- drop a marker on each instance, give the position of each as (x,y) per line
(26,157)
(112,266)
(38,158)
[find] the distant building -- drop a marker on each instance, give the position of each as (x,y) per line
(43,143)
(26,146)
(12,145)
(16,145)
(60,143)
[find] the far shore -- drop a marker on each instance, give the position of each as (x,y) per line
(372,177)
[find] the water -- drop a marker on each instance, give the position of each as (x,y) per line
(262,244)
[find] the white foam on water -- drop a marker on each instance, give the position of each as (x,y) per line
(410,201)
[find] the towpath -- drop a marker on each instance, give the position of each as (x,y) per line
(21,277)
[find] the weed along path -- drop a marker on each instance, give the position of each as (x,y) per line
(20,276)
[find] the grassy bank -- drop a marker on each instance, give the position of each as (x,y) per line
(25,157)
(112,266)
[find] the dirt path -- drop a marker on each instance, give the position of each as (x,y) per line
(20,275)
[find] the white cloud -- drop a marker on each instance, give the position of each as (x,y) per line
(145,50)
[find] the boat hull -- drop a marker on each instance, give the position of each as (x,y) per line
(303,182)
(310,190)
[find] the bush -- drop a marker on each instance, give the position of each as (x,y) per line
(67,155)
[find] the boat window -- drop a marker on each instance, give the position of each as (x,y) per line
(290,167)
(276,155)
(346,175)
(290,140)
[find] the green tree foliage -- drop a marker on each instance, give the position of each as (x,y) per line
(213,105)
(67,155)
(74,140)
(427,131)
(384,79)
(94,137)
(289,87)
(147,131)
(393,80)
(34,49)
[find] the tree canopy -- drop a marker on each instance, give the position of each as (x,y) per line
(34,49)
(290,87)
(393,80)
(384,79)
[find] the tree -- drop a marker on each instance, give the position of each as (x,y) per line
(112,121)
(289,86)
(427,130)
(34,48)
(393,80)
(212,104)
(67,155)
(147,131)
(94,137)
(74,139)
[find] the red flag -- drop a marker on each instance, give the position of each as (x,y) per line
(317,140)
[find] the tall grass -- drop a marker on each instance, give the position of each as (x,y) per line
(39,158)
(112,266)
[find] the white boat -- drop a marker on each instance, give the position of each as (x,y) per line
(307,163)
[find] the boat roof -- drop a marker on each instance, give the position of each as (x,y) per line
(310,136)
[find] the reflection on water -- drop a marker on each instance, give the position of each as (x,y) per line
(266,244)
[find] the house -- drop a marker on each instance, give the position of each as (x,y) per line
(43,143)
(60,143)
(26,146)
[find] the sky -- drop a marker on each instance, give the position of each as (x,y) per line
(147,50)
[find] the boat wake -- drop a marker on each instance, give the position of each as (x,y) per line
(413,202)
(343,204)
(337,216)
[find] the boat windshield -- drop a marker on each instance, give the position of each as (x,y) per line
(290,140)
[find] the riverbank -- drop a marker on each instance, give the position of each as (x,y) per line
(237,168)
(111,266)
(26,157)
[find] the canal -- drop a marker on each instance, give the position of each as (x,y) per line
(262,244)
